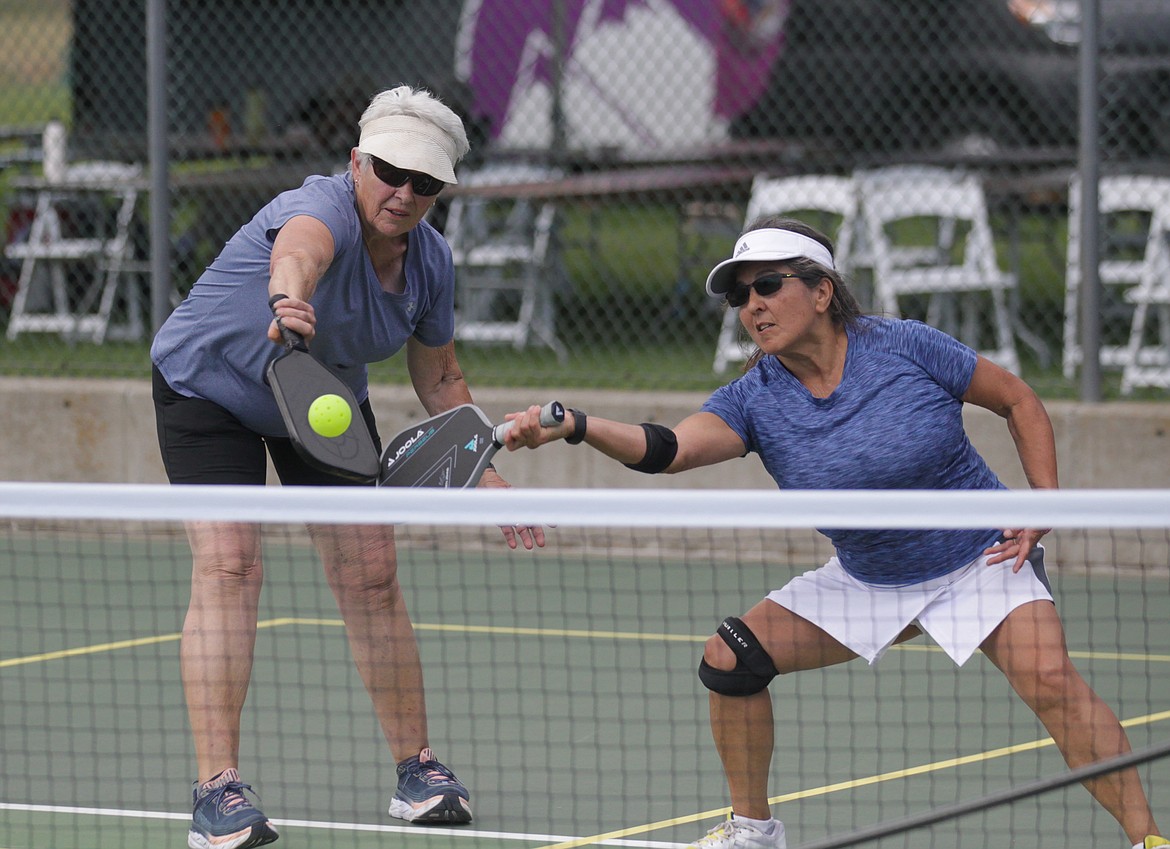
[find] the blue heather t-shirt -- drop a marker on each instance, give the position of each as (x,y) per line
(894,422)
(215,345)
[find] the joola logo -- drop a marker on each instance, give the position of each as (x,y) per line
(405,448)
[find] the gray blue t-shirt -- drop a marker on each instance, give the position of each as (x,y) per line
(894,422)
(215,345)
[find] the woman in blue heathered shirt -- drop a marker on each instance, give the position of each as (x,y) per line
(362,276)
(833,399)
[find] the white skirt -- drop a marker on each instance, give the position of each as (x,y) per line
(959,610)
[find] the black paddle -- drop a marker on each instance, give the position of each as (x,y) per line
(450,450)
(297,380)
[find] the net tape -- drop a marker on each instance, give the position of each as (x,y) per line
(594,507)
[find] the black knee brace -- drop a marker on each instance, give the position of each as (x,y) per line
(753,667)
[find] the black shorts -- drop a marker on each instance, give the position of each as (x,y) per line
(202,443)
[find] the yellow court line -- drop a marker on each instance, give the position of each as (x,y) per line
(502,631)
(1148,719)
(99,648)
(1074,655)
(562,632)
(512,631)
(83,650)
(515,631)
(1109,655)
(296,620)
(672,638)
(852,784)
(284,621)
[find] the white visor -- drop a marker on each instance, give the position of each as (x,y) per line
(767,245)
(411,143)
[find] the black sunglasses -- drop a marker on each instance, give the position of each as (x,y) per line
(423,184)
(765,285)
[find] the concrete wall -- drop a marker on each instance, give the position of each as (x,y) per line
(103,431)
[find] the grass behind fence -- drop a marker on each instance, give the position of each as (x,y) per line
(634,316)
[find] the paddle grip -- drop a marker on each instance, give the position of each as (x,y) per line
(551,414)
(292,339)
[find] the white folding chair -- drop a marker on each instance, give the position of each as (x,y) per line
(501,250)
(817,193)
(1129,208)
(74,261)
(1147,356)
(929,237)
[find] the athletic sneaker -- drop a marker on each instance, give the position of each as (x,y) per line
(734,834)
(224,818)
(1152,841)
(428,792)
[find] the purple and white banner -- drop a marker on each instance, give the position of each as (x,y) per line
(638,75)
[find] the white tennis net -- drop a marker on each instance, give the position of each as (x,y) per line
(560,682)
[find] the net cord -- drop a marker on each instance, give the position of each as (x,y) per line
(1085,508)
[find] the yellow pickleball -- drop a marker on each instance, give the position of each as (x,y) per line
(330,415)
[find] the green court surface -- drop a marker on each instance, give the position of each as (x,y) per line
(560,687)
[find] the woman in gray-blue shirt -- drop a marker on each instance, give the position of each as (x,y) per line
(833,399)
(362,275)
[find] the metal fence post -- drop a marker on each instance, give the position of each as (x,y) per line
(158,154)
(1089,164)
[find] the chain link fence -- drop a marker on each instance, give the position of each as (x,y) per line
(630,138)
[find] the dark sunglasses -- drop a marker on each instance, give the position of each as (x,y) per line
(765,285)
(423,184)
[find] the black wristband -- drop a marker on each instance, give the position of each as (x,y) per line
(578,433)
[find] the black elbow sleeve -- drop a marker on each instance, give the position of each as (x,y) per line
(661,448)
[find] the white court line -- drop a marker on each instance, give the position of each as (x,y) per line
(421,831)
